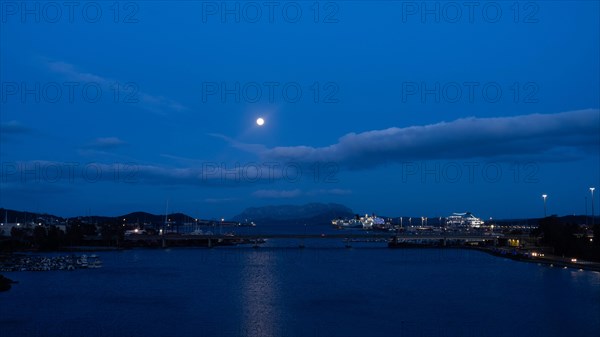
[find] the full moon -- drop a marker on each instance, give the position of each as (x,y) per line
(260,121)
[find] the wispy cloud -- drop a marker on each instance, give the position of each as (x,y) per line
(277,194)
(107,143)
(331,191)
(12,130)
(208,174)
(254,148)
(13,127)
(34,189)
(288,194)
(154,103)
(183,160)
(70,71)
(219,200)
(545,136)
(561,136)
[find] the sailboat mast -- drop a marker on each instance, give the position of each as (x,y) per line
(166,216)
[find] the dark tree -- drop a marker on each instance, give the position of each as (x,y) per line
(74,234)
(40,236)
(562,236)
(18,233)
(112,233)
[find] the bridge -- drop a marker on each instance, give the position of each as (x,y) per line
(258,238)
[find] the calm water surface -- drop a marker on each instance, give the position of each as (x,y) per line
(317,291)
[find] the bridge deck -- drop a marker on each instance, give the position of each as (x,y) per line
(409,237)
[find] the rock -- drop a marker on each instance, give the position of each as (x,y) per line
(5,283)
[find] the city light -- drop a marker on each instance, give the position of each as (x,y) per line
(544,196)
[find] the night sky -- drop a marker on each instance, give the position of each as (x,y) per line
(393,107)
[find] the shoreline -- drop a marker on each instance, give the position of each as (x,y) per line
(551,261)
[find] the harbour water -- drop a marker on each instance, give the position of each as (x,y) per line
(316,291)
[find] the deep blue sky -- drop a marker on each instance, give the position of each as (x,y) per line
(375,138)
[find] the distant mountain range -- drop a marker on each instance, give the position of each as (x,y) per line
(12,216)
(312,213)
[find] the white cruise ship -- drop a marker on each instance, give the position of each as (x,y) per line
(464,220)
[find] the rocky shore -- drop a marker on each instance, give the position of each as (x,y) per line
(549,260)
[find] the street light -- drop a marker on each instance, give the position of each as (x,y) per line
(592,191)
(544,196)
(586,215)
